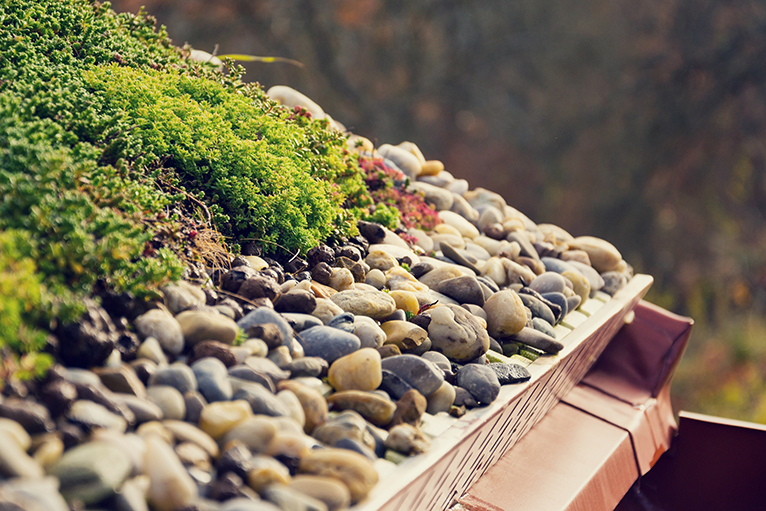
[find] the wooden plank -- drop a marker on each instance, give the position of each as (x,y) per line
(464,451)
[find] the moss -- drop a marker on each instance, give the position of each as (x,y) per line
(115,150)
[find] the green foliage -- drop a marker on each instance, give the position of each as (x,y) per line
(108,136)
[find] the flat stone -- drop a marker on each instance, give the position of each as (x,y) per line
(328,343)
(527,249)
(537,340)
(548,282)
(91,472)
(353,469)
(462,289)
(464,227)
(603,255)
(480,381)
(307,366)
(267,368)
(417,372)
(92,415)
(213,349)
(544,326)
(360,370)
(143,409)
(203,325)
(329,490)
(442,273)
(509,373)
(457,333)
(177,375)
(439,198)
(374,408)
(163,327)
(122,379)
(539,309)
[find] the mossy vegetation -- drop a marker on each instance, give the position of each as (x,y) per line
(111,141)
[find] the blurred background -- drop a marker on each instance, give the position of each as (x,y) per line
(639,121)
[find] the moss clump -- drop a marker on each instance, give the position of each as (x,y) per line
(110,141)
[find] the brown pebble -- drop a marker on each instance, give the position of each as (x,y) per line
(388,350)
(213,349)
(410,408)
(268,333)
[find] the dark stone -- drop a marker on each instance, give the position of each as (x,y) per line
(480,381)
(397,315)
(464,398)
(362,243)
(212,379)
(33,417)
(322,273)
(296,265)
(554,308)
(356,268)
(419,373)
(409,408)
(233,305)
(227,486)
(261,400)
(299,301)
(421,269)
(543,326)
(236,460)
(539,308)
(527,249)
(560,300)
(302,275)
(350,252)
(300,322)
(177,375)
(104,398)
(321,254)
(464,289)
(328,343)
(213,349)
(259,287)
(613,282)
(270,333)
(232,280)
(278,272)
(144,369)
(494,231)
(70,434)
(240,261)
(343,321)
(509,373)
(194,402)
(495,346)
(89,341)
(307,366)
(573,302)
(556,265)
(549,282)
(460,257)
(394,385)
(388,350)
(537,340)
(267,367)
(119,305)
(58,395)
(374,233)
(358,447)
(422,320)
(251,248)
(244,372)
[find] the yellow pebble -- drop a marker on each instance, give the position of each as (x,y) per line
(406,301)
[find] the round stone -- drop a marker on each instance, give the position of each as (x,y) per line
(212,379)
(169,400)
(407,336)
(163,327)
(457,333)
(442,399)
(360,370)
(313,403)
(506,314)
(603,255)
(417,372)
(480,381)
(202,325)
(328,343)
(177,375)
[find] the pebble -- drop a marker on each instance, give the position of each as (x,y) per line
(326,310)
(92,471)
(437,275)
(266,471)
(212,379)
(380,260)
(423,240)
(92,415)
(185,432)
(14,461)
(417,372)
(218,418)
(328,343)
(169,400)
(266,367)
(595,280)
(33,417)
(293,406)
(457,333)
(158,324)
(374,408)
(440,198)
(407,336)
(391,383)
(539,309)
(442,399)
(33,494)
(509,373)
(143,409)
(194,402)
(329,490)
(260,399)
(314,405)
(177,375)
(543,326)
(183,295)
(613,282)
(121,378)
(580,285)
(297,301)
(406,301)
(548,282)
(360,370)
(307,366)
(537,340)
(481,381)
(151,349)
(369,332)
(344,321)
(407,439)
(409,408)
(463,289)
(203,325)
(244,372)
(263,315)
(353,469)
(300,322)
(191,454)
(506,314)
(463,208)
(559,300)
(463,226)
(170,486)
(402,158)
(603,255)
(255,433)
